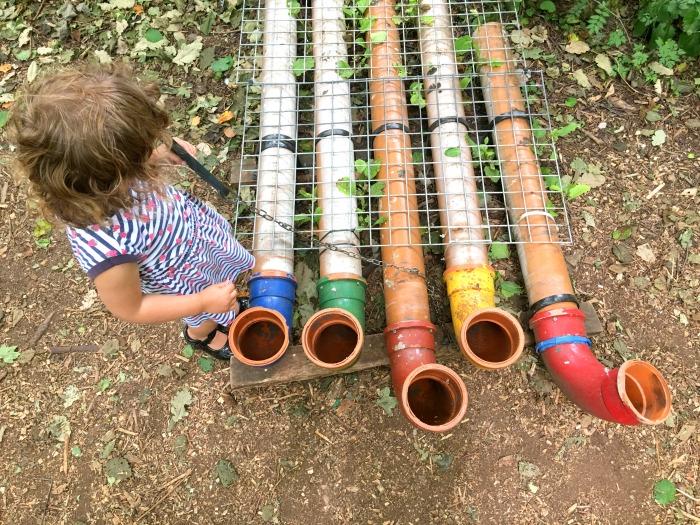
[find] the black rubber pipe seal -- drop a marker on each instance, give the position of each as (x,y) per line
(447,120)
(391,125)
(277,141)
(550,300)
(510,116)
(332,132)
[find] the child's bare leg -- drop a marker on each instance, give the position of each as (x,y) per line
(203,330)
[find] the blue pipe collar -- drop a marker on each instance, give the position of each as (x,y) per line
(275,293)
(561,340)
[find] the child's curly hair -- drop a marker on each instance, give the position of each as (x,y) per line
(84,139)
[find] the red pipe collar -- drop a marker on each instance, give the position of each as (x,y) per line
(632,394)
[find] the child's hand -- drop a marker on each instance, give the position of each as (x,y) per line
(163,155)
(219,298)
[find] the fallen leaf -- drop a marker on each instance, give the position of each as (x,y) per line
(59,428)
(225,472)
(117,470)
(528,470)
(4,68)
(225,117)
(686,432)
(70,395)
(577,47)
(178,406)
(32,71)
(188,53)
(658,138)
(581,78)
(645,253)
(603,62)
(660,69)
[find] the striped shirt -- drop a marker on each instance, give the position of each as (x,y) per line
(180,245)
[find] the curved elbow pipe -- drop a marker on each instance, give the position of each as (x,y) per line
(634,393)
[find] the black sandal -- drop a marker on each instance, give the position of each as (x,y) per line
(223,353)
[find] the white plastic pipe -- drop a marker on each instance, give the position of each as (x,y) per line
(454,176)
(334,153)
(273,247)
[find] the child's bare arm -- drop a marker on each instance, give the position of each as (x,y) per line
(120,291)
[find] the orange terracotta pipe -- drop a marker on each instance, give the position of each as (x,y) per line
(634,393)
(431,396)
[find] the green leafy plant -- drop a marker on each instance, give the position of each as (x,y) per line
(42,233)
(664,492)
(301,65)
(386,401)
(663,20)
(498,250)
(416,91)
(345,70)
(8,354)
(599,19)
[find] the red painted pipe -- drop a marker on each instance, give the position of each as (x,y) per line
(632,394)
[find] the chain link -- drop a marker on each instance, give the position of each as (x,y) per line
(288,227)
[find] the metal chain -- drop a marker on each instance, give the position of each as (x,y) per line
(288,227)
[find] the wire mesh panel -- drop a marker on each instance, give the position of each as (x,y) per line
(413,15)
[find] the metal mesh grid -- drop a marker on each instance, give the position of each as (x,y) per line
(465,17)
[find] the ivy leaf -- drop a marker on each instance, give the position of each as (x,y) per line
(374,166)
(452,152)
(344,69)
(153,35)
(226,472)
(222,64)
(386,401)
(548,6)
(8,354)
(499,250)
(346,186)
(178,406)
(377,189)
(377,37)
(302,65)
(565,130)
(206,364)
(508,289)
(664,492)
(463,44)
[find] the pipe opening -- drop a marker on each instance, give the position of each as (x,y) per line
(332,338)
(644,390)
(261,340)
(492,338)
(258,336)
(335,343)
(435,398)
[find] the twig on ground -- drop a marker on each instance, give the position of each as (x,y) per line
(73,349)
(48,502)
(66,445)
(592,137)
(41,330)
(174,484)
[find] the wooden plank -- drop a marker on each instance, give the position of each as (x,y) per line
(294,366)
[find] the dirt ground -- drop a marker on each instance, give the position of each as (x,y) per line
(323,451)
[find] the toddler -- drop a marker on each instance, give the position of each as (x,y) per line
(93,145)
